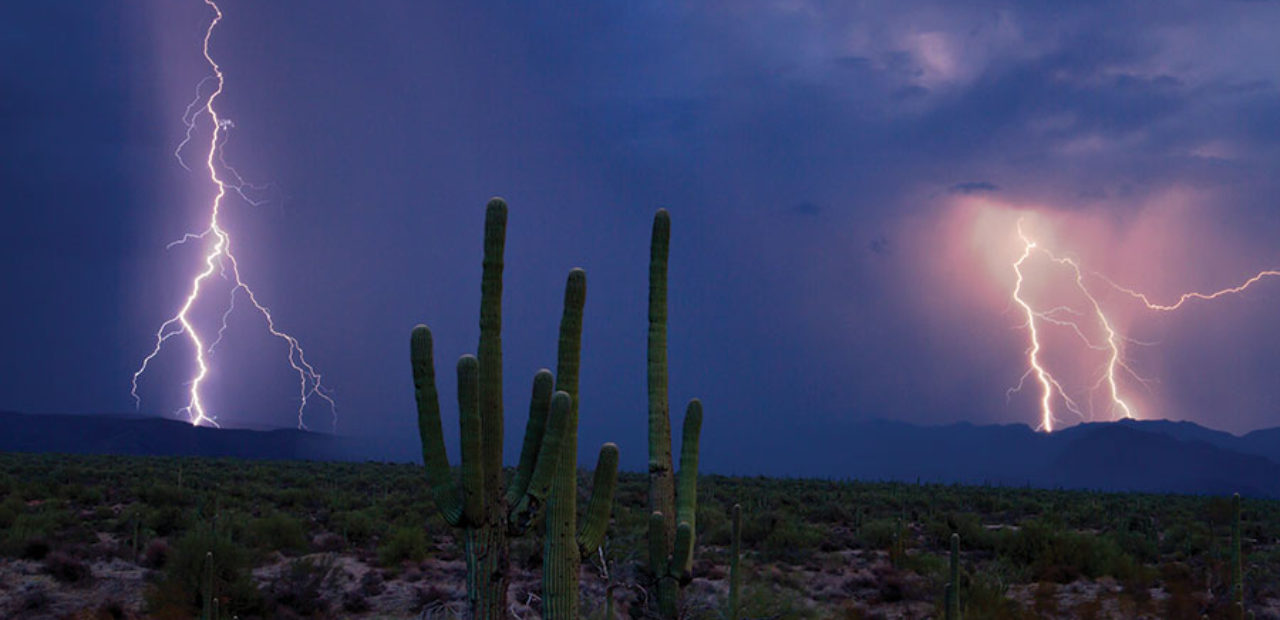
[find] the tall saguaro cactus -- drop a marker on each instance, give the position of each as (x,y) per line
(672,502)
(479,505)
(566,543)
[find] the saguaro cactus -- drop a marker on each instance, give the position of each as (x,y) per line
(478,505)
(566,544)
(735,568)
(673,503)
(1237,568)
(953,585)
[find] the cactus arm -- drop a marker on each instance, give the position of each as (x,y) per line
(534,432)
(490,350)
(682,561)
(473,480)
(661,483)
(569,348)
(657,544)
(687,493)
(561,557)
(527,508)
(443,489)
(953,587)
(604,485)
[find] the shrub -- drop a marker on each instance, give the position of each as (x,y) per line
(792,539)
(278,532)
(156,553)
(67,568)
(403,543)
(1062,556)
(358,527)
(187,574)
(878,534)
(299,586)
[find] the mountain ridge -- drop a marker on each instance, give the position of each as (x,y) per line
(1128,455)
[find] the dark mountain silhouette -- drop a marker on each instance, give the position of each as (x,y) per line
(1125,457)
(107,434)
(1264,442)
(1150,456)
(1130,455)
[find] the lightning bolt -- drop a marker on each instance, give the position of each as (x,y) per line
(220,260)
(1185,297)
(1111,341)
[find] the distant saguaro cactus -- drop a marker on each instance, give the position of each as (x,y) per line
(673,503)
(735,565)
(486,515)
(566,544)
(1237,567)
(208,611)
(953,585)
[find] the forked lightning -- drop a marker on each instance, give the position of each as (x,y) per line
(219,260)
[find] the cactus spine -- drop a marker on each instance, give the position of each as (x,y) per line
(672,503)
(1237,568)
(735,562)
(953,586)
(478,505)
(566,544)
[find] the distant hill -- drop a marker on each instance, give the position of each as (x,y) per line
(107,434)
(1153,456)
(1130,455)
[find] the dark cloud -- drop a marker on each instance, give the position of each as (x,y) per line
(881,246)
(973,187)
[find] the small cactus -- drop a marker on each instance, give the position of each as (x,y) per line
(1237,567)
(953,586)
(735,562)
(207,609)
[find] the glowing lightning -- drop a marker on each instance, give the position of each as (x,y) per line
(1185,297)
(1111,342)
(220,259)
(1049,386)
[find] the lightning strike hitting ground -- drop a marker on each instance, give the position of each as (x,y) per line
(1111,341)
(1049,385)
(219,260)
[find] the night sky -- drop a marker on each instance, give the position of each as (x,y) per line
(843,181)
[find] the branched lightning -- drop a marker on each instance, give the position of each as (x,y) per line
(1049,385)
(1185,297)
(219,259)
(1110,342)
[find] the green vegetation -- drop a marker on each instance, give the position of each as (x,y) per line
(1022,551)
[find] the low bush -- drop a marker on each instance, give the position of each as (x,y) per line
(403,544)
(67,568)
(278,532)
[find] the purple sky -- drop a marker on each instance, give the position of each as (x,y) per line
(824,167)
